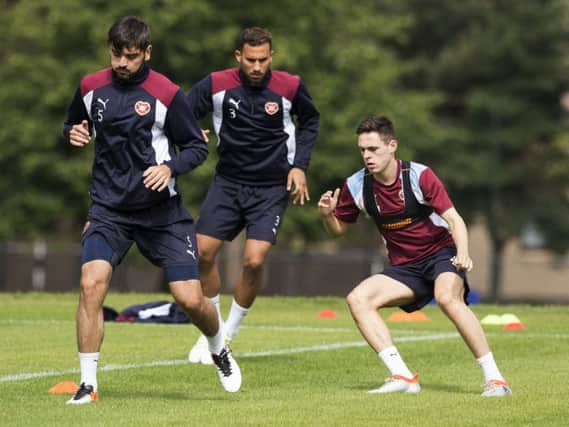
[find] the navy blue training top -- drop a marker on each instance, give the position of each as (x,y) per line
(258,141)
(137,123)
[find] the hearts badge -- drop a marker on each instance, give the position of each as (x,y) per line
(142,108)
(271,108)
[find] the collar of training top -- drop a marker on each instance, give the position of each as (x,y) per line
(136,79)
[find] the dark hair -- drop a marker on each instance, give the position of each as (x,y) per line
(380,124)
(129,31)
(255,36)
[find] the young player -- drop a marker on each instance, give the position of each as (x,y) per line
(427,243)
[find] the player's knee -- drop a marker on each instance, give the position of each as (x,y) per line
(92,285)
(356,301)
(191,305)
(253,264)
(446,299)
(207,257)
(188,295)
(191,302)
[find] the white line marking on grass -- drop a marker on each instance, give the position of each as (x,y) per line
(334,346)
(285,351)
(323,329)
(527,335)
(489,332)
(32,322)
(297,328)
(110,367)
(254,327)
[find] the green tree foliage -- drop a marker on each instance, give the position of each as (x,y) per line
(344,54)
(347,56)
(502,66)
(46,48)
(473,88)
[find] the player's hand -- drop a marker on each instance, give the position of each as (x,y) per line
(462,262)
(157,177)
(79,134)
(205,134)
(328,202)
(297,182)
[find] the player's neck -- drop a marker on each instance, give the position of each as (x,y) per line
(388,175)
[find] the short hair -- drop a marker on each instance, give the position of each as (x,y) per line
(255,36)
(129,31)
(380,124)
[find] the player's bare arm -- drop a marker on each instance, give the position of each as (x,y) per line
(79,135)
(156,177)
(205,134)
(297,182)
(326,205)
(459,233)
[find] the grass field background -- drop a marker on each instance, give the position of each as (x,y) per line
(298,369)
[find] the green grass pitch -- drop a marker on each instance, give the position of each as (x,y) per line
(298,369)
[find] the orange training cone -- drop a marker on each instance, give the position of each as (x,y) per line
(64,387)
(415,316)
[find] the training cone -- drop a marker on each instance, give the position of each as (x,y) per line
(510,318)
(64,387)
(415,316)
(518,326)
(327,314)
(492,319)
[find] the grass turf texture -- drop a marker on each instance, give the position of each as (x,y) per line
(322,387)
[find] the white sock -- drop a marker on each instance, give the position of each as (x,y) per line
(217,304)
(392,359)
(489,368)
(217,342)
(236,316)
(88,363)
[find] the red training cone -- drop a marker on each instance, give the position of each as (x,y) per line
(327,314)
(514,327)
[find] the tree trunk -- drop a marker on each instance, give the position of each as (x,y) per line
(495,267)
(497,243)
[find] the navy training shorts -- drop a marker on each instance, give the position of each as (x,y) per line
(229,207)
(420,276)
(171,247)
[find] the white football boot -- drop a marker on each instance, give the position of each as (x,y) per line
(399,384)
(496,388)
(227,370)
(84,394)
(200,352)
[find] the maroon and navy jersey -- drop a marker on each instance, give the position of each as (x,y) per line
(137,123)
(258,140)
(416,241)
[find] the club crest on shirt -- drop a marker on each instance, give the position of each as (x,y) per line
(271,108)
(142,108)
(401,195)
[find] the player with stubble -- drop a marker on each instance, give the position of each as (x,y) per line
(266,125)
(145,137)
